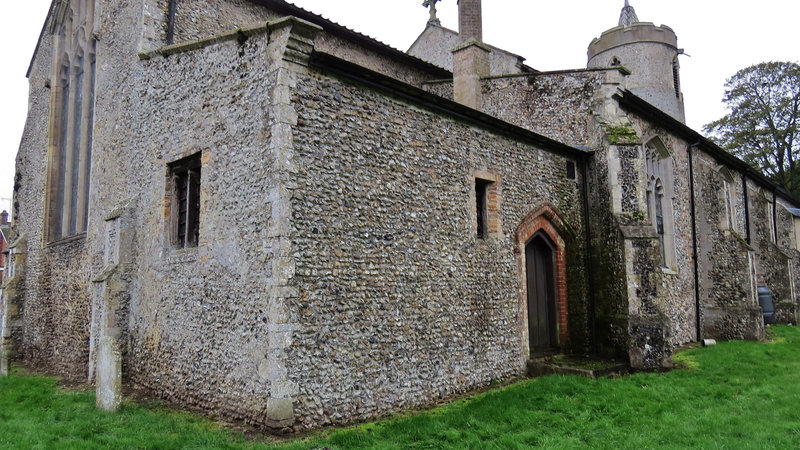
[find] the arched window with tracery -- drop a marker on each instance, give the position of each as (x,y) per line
(659,194)
(72,119)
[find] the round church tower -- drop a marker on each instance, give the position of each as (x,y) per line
(650,53)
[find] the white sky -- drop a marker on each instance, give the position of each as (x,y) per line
(722,36)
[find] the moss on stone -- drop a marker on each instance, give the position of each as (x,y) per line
(621,135)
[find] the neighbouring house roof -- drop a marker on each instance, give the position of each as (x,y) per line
(5,236)
(630,102)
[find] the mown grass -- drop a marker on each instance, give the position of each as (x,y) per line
(733,395)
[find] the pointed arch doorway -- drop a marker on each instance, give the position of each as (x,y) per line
(541,298)
(541,258)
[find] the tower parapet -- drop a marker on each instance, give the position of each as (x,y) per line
(650,52)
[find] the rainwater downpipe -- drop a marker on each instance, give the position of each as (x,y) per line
(746,209)
(173,6)
(694,241)
(588,255)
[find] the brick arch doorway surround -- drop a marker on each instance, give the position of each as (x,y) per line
(542,229)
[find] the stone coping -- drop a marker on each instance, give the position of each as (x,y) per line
(237,34)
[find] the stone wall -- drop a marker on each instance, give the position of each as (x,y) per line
(557,105)
(199,317)
(54,326)
(197,19)
(676,285)
(772,261)
(399,302)
(788,308)
(436,43)
(728,297)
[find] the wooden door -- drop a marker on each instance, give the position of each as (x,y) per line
(542,317)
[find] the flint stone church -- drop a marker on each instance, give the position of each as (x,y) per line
(246,208)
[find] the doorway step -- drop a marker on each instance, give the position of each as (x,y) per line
(583,366)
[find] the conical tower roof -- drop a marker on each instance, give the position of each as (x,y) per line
(628,16)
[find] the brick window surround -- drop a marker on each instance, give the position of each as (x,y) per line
(544,219)
(488,185)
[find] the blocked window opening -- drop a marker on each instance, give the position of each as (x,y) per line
(185,205)
(487,205)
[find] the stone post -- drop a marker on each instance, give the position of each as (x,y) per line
(110,298)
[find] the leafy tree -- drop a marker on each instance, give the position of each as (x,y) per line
(762,126)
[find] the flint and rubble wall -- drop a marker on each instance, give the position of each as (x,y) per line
(675,286)
(772,262)
(196,19)
(399,302)
(728,298)
(199,317)
(54,325)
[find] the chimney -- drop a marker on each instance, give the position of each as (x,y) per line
(471,57)
(4,218)
(470,22)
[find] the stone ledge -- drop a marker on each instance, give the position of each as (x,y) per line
(638,232)
(472,42)
(184,47)
(579,366)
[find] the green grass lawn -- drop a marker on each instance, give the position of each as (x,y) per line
(733,395)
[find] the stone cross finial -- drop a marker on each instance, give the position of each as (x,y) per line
(431,4)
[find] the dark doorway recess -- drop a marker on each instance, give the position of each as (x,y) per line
(541,284)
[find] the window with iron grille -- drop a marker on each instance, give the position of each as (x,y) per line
(185,204)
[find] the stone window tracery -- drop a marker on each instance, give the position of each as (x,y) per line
(72,119)
(658,197)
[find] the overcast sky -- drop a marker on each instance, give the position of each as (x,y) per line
(722,36)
